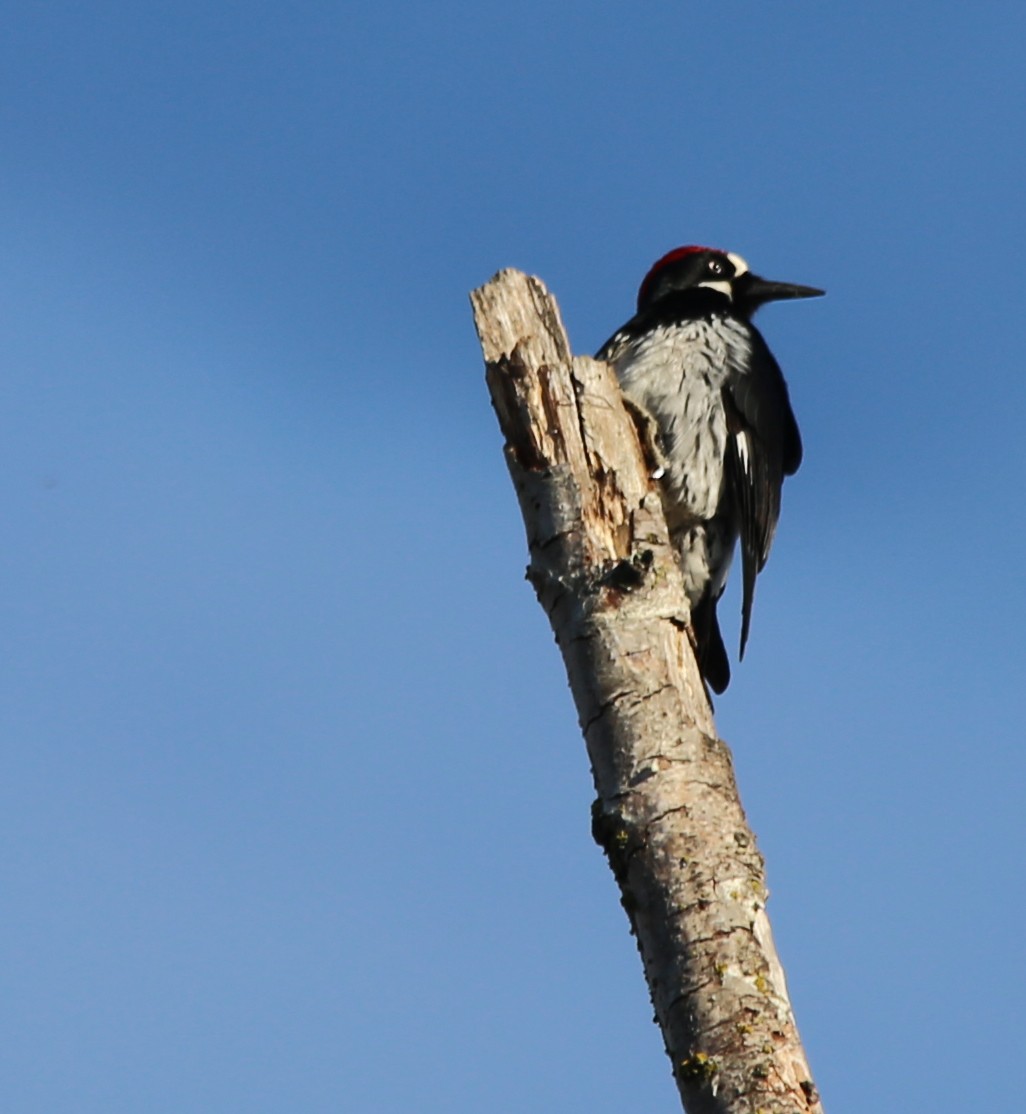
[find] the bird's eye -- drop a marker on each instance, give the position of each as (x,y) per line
(714,267)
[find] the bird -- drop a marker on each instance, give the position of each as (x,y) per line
(715,415)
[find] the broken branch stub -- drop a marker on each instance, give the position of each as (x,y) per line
(667,812)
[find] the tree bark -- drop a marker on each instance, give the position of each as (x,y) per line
(667,814)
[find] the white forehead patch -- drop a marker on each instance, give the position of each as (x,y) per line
(740,266)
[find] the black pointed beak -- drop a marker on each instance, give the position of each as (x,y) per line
(757,291)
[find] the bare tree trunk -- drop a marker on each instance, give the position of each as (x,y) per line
(667,814)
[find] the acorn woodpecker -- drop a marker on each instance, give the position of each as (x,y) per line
(717,420)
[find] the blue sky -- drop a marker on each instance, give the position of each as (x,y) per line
(293,805)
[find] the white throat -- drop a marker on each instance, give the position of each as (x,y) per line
(722,285)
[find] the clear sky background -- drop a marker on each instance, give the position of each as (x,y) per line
(293,803)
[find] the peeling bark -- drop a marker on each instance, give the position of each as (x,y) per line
(667,813)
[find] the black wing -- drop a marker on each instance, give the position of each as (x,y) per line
(621,339)
(763,446)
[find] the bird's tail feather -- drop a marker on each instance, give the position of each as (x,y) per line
(712,654)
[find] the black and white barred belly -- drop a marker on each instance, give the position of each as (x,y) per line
(675,375)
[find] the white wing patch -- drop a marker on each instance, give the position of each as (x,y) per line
(741,440)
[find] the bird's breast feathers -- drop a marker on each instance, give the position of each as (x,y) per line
(676,374)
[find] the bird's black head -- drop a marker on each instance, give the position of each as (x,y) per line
(694,268)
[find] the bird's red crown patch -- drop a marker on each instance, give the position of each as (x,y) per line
(667,259)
